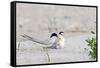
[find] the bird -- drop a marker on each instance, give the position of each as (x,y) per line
(56,41)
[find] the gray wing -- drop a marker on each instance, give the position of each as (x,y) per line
(35,40)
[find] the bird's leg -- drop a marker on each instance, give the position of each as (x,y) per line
(46,50)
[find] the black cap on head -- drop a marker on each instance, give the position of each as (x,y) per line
(61,32)
(53,34)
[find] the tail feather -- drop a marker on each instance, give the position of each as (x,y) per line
(35,40)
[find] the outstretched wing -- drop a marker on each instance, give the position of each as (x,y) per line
(36,40)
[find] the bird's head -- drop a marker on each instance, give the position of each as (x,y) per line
(61,33)
(61,36)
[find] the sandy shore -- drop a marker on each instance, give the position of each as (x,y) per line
(75,49)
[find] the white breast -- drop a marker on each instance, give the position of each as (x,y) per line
(61,41)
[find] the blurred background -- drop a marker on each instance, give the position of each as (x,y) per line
(42,20)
